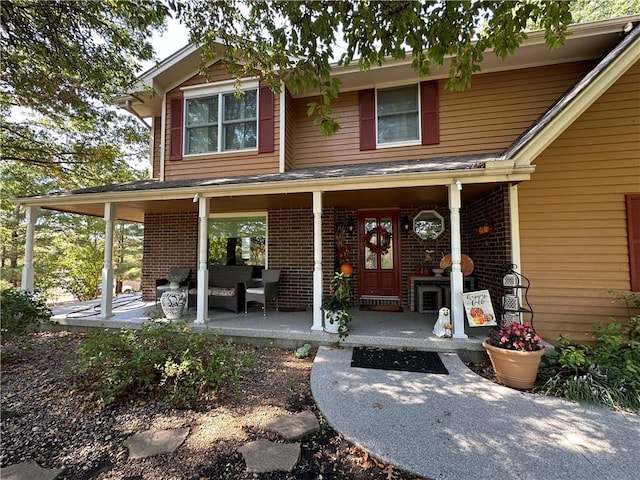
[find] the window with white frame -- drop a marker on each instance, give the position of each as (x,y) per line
(238,240)
(221,122)
(398,112)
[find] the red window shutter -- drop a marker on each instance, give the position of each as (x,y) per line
(266,121)
(367,100)
(175,129)
(429,111)
(633,232)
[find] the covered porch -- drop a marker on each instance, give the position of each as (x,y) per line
(279,329)
(304,207)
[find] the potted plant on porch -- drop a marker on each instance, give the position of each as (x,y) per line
(515,351)
(336,306)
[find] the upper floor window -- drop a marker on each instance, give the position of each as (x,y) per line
(398,111)
(221,122)
(398,116)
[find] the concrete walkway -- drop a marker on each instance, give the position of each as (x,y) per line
(462,426)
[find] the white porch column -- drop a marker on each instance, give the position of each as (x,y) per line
(514,218)
(31,216)
(317,261)
(457,307)
(202,302)
(106,300)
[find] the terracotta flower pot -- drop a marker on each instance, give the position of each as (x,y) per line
(515,368)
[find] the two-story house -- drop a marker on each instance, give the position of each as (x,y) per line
(537,165)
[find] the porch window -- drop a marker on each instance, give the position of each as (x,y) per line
(220,123)
(237,240)
(398,114)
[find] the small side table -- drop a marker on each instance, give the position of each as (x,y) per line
(434,290)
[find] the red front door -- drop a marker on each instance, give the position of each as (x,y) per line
(379,253)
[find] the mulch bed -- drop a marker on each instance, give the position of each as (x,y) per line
(47,420)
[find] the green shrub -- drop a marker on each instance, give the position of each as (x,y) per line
(605,374)
(167,361)
(20,310)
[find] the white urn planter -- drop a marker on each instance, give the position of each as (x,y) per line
(331,322)
(172,303)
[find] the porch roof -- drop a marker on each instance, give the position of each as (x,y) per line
(134,198)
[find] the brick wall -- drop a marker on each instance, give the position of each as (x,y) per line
(170,240)
(290,249)
(489,252)
(414,248)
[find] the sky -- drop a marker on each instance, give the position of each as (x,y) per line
(173,39)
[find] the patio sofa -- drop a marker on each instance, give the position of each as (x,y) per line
(226,287)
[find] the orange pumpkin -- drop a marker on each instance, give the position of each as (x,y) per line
(476,312)
(346,269)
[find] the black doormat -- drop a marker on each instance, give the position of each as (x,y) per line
(404,361)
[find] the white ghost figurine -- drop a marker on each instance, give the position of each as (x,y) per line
(443,318)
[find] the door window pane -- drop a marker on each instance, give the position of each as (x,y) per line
(370,258)
(386,259)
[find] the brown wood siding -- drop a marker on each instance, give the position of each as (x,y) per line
(574,244)
(157,141)
(484,119)
(220,164)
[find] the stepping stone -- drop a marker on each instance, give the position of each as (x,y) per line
(155,442)
(29,471)
(263,456)
(295,427)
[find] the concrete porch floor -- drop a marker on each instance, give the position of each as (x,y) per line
(278,328)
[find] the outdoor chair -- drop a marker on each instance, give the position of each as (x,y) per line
(263,291)
(162,284)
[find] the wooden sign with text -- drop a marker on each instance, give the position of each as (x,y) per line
(479,309)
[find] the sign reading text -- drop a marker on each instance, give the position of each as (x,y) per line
(479,309)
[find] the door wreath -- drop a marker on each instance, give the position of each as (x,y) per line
(384,240)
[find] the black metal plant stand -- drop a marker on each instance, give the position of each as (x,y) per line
(512,308)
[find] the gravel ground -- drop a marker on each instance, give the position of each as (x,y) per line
(44,419)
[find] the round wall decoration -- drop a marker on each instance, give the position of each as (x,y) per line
(466,264)
(384,240)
